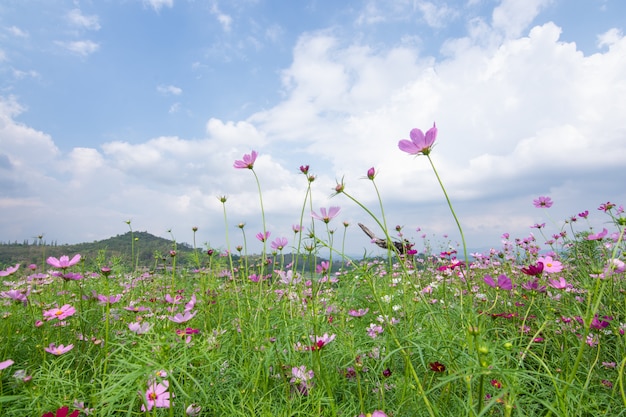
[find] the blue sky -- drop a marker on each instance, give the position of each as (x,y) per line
(117,110)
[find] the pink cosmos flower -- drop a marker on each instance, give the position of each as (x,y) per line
(10,270)
(543,202)
(182,318)
(61,313)
(598,236)
(550,265)
(373,330)
(58,350)
(157,396)
(279,243)
(358,313)
(63,262)
(263,236)
(326,216)
(371,173)
(419,143)
(247,161)
(103,299)
(16,295)
(321,341)
(559,284)
(139,328)
(301,378)
(6,364)
(503,283)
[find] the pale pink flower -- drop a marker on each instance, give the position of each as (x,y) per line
(326,216)
(247,161)
(139,328)
(559,284)
(263,236)
(419,143)
(6,364)
(64,261)
(182,318)
(157,396)
(16,295)
(321,341)
(543,202)
(58,350)
(550,265)
(598,236)
(10,270)
(61,313)
(358,313)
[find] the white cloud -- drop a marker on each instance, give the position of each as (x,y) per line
(434,15)
(225,20)
(609,38)
(17,32)
(157,5)
(76,18)
(169,90)
(84,48)
(512,17)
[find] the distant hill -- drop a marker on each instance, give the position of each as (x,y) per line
(150,251)
(147,247)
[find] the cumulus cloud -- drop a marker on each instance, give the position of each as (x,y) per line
(224,19)
(83,47)
(520,112)
(169,90)
(157,5)
(77,18)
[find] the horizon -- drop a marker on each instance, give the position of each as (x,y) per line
(137,110)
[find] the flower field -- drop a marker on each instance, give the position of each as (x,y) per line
(534,328)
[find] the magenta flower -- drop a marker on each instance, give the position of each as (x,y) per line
(10,270)
(247,161)
(62,412)
(534,286)
(371,173)
(279,243)
(103,299)
(532,270)
(263,236)
(182,318)
(61,313)
(550,265)
(503,283)
(597,323)
(542,202)
(598,236)
(326,216)
(6,364)
(64,261)
(419,143)
(157,396)
(358,313)
(58,350)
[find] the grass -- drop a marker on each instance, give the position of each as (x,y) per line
(410,335)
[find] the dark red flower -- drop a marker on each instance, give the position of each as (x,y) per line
(532,270)
(437,367)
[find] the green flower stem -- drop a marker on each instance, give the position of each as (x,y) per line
(258,184)
(458,224)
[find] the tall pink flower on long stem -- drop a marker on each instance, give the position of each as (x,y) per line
(64,261)
(420,143)
(326,216)
(247,161)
